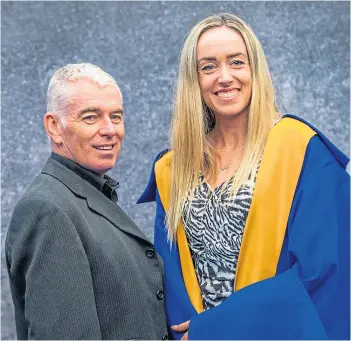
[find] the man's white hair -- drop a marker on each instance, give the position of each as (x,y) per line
(58,95)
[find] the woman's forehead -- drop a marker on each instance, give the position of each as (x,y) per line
(219,40)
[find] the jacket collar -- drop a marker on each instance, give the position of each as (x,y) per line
(97,202)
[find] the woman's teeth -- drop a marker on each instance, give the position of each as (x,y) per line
(228,94)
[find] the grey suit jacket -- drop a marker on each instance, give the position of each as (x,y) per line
(79,268)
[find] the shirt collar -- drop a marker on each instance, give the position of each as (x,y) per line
(104,184)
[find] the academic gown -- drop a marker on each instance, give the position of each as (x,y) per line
(293,273)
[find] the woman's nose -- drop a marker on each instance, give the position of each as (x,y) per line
(225,75)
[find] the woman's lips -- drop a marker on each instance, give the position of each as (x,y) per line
(228,94)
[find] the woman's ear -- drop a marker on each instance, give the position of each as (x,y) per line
(53,127)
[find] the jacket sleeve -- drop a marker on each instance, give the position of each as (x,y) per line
(49,270)
(309,297)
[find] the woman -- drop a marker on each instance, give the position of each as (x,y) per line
(252,215)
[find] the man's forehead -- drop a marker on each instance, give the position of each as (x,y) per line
(87,83)
(89,90)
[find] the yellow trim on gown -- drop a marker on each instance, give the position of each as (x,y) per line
(269,212)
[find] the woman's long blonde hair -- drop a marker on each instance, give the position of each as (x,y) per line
(192,119)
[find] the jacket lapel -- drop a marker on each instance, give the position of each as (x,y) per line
(97,202)
(106,208)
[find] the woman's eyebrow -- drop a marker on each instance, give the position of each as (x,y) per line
(207,59)
(232,55)
(236,55)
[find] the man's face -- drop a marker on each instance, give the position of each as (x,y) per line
(94,129)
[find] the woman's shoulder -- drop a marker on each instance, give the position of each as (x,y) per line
(295,131)
(160,169)
(163,158)
(289,135)
(292,124)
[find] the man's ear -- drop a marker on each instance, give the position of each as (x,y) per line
(53,127)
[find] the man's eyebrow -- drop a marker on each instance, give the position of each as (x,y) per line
(228,56)
(118,111)
(98,111)
(90,109)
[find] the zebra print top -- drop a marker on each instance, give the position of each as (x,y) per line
(214,225)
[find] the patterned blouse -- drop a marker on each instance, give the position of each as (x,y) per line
(214,225)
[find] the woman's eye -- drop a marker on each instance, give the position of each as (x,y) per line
(208,68)
(237,63)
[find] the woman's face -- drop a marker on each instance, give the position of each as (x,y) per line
(224,71)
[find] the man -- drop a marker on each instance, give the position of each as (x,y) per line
(79,268)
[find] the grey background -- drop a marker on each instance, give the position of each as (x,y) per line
(307,45)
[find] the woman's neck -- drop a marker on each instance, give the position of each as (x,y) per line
(229,133)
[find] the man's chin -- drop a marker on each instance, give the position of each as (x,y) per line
(100,170)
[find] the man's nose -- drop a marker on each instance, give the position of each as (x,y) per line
(225,75)
(107,127)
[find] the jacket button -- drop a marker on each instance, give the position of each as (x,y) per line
(159,295)
(150,253)
(165,337)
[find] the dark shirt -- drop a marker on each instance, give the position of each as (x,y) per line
(104,184)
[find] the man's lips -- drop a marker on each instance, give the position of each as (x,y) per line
(104,146)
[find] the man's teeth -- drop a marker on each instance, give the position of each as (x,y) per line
(228,94)
(104,147)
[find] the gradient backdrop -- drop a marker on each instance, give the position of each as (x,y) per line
(307,45)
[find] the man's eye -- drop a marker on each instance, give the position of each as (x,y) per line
(116,118)
(89,118)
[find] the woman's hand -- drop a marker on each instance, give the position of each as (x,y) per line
(183,327)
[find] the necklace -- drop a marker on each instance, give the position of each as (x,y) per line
(224,168)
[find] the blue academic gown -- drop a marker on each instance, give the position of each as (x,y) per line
(308,297)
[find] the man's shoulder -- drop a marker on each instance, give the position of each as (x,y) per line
(31,208)
(46,187)
(45,194)
(47,204)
